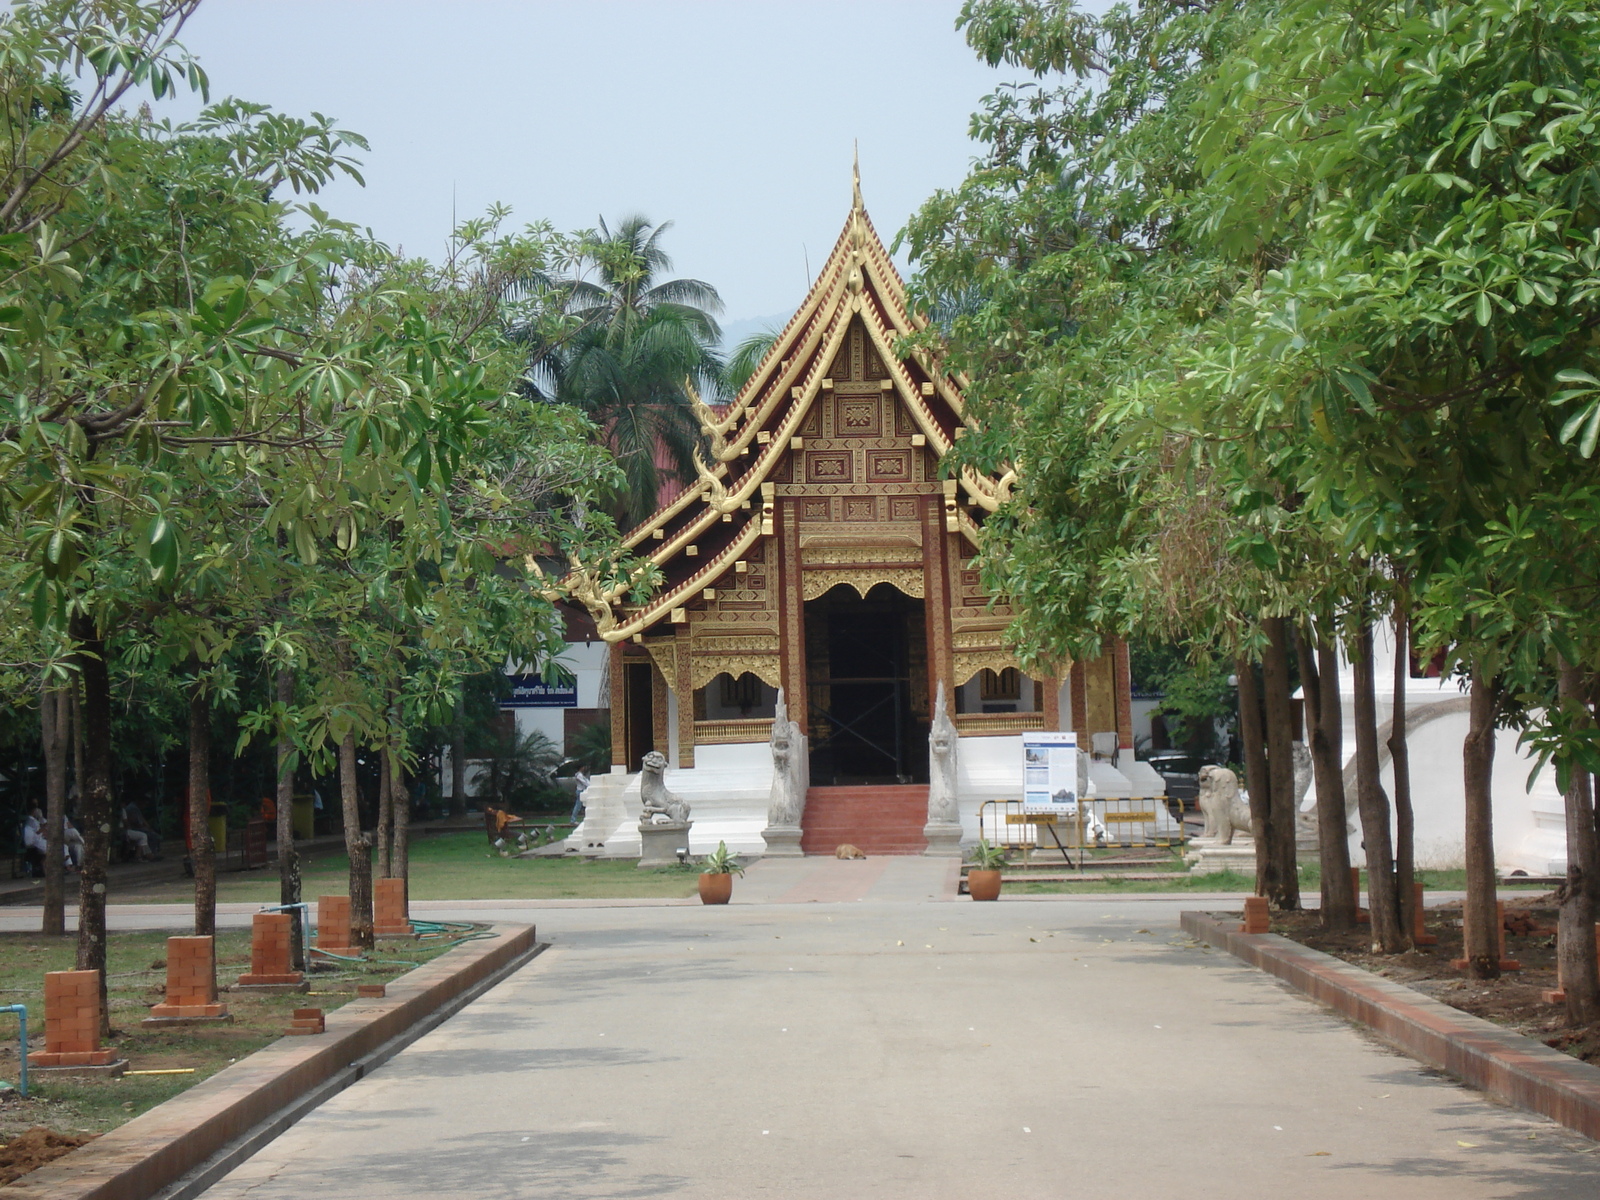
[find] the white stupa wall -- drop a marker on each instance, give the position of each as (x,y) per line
(1529,824)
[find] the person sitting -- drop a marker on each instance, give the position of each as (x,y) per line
(146,842)
(33,844)
(71,845)
(497,822)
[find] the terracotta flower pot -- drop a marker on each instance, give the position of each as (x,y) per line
(983,885)
(715,889)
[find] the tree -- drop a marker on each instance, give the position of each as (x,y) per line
(641,344)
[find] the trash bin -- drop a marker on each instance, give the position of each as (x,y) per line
(304,817)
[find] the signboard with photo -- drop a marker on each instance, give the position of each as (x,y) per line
(1050,773)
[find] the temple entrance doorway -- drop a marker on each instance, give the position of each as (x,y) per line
(867,685)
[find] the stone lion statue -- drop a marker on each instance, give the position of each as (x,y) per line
(659,806)
(1225,812)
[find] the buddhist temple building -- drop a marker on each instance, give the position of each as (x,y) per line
(824,551)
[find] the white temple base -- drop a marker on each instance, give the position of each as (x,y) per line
(783,841)
(1207,857)
(944,839)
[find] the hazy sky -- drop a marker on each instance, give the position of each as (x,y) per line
(733,120)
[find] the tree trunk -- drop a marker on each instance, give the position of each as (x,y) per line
(75,707)
(1575,942)
(357,845)
(1280,764)
(385,813)
(1405,821)
(94,802)
(53,727)
(1480,915)
(1320,685)
(1388,936)
(1255,773)
(458,760)
(400,858)
(288,856)
(203,853)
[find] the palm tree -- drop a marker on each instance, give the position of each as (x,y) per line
(639,345)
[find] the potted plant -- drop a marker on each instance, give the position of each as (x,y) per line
(717,870)
(983,877)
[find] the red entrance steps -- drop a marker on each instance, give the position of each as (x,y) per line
(880,820)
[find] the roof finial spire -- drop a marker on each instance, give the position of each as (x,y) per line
(855,181)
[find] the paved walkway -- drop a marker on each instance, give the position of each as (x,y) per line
(864,1040)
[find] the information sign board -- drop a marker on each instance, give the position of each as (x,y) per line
(1050,773)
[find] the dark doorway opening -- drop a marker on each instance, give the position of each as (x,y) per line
(641,737)
(866,675)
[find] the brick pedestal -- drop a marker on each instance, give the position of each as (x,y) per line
(1506,964)
(389,916)
(1419,931)
(1255,916)
(333,925)
(306,1021)
(270,939)
(72,1023)
(191,984)
(1559,994)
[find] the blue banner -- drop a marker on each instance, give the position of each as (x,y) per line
(530,691)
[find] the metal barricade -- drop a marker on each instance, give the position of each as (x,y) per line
(1101,822)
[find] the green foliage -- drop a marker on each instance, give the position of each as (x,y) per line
(720,862)
(987,857)
(238,435)
(637,348)
(1194,691)
(522,772)
(591,746)
(1282,309)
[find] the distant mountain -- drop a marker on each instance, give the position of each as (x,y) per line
(734,332)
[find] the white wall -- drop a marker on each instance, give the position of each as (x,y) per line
(587,661)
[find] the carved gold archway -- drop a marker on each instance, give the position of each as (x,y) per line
(863,580)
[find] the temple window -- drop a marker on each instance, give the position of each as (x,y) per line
(727,698)
(1007,690)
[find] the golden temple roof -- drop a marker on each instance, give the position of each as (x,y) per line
(702,533)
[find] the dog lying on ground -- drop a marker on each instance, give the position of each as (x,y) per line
(849,851)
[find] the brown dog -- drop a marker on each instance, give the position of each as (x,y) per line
(849,851)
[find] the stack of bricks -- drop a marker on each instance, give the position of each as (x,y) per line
(1506,964)
(1256,919)
(270,936)
(333,925)
(72,1022)
(1559,995)
(307,1021)
(372,991)
(389,916)
(191,982)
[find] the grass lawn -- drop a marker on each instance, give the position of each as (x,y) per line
(136,979)
(451,866)
(1231,881)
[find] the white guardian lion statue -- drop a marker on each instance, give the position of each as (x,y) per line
(1225,812)
(659,806)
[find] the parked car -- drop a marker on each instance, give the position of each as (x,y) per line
(1180,769)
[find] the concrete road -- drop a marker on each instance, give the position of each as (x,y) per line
(885,1046)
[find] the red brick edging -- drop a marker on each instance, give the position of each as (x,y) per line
(159,1147)
(1507,1066)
